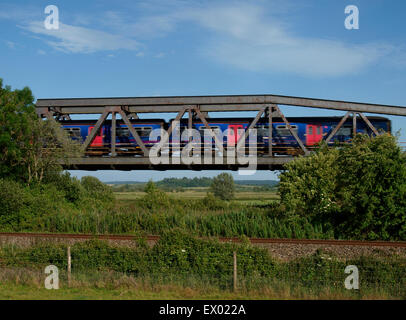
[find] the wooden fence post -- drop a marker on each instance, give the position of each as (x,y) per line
(69,267)
(235,271)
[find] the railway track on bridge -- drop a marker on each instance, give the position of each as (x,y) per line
(255,241)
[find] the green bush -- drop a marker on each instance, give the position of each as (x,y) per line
(223,186)
(97,189)
(357,191)
(70,186)
(13,196)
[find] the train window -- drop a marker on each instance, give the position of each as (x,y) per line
(143,131)
(283,130)
(122,132)
(73,132)
(310,131)
(343,131)
(318,132)
(125,132)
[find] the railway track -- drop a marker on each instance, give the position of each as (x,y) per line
(257,241)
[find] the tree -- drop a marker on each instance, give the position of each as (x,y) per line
(359,190)
(29,146)
(223,186)
(150,187)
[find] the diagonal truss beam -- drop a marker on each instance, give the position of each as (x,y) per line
(335,130)
(179,116)
(369,123)
(96,128)
(134,133)
(302,146)
(208,127)
(252,124)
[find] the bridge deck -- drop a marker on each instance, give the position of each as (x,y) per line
(144,163)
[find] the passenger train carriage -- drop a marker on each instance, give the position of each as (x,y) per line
(310,130)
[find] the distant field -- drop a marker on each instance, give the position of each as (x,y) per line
(199,193)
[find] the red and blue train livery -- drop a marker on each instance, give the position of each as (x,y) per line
(310,130)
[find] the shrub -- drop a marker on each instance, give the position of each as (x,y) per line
(70,186)
(13,197)
(97,189)
(223,186)
(359,190)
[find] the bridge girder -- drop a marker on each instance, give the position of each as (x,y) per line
(197,107)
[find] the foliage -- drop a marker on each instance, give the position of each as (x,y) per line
(174,253)
(358,191)
(97,189)
(180,256)
(36,207)
(23,136)
(173,183)
(223,186)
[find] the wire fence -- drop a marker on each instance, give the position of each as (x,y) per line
(379,278)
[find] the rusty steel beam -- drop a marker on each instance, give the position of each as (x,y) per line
(190,124)
(145,161)
(270,129)
(252,124)
(337,127)
(134,132)
(113,134)
(95,129)
(208,127)
(302,146)
(211,103)
(369,123)
(171,127)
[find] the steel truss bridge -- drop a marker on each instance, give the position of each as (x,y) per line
(196,107)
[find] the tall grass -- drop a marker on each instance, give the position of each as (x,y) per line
(157,213)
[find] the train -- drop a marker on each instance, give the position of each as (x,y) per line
(310,130)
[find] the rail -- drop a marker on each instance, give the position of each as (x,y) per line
(154,238)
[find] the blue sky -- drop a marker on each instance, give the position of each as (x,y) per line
(155,47)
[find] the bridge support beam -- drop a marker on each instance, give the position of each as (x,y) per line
(95,129)
(302,146)
(134,132)
(369,124)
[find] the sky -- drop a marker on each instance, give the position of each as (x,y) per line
(133,48)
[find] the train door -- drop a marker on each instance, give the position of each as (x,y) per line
(98,139)
(314,134)
(234,133)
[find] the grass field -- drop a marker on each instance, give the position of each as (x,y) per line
(200,193)
(169,292)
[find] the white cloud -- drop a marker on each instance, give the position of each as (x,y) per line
(80,39)
(246,39)
(250,36)
(10,44)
